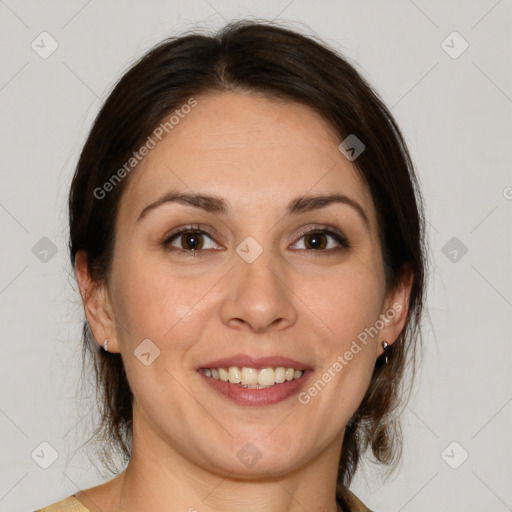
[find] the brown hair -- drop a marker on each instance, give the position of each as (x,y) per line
(278,63)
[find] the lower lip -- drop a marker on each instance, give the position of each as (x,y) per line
(266,396)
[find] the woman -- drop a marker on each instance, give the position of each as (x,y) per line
(247,233)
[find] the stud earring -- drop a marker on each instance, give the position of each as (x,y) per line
(105,345)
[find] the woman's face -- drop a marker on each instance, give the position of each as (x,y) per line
(257,292)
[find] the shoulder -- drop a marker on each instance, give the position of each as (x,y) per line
(70,504)
(351,503)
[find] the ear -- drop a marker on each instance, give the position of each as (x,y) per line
(395,309)
(97,304)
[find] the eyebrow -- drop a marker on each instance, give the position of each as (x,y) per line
(217,205)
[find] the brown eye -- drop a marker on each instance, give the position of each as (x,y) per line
(321,240)
(315,241)
(190,241)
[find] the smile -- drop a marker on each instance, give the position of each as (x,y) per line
(248,392)
(252,378)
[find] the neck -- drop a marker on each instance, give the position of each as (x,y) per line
(160,478)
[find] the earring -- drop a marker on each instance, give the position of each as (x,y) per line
(386,347)
(105,345)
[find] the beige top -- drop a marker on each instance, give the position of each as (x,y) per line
(71,504)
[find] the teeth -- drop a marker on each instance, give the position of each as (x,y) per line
(280,375)
(251,378)
(234,375)
(266,377)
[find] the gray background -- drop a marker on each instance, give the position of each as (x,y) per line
(456,117)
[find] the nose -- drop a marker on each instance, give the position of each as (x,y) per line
(258,298)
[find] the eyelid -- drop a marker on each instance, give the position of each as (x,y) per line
(323,227)
(199,228)
(330,230)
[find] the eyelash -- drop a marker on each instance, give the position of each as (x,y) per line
(330,231)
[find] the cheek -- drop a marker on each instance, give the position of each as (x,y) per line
(139,300)
(153,302)
(347,306)
(345,303)
(151,305)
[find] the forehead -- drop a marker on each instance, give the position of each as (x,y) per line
(252,150)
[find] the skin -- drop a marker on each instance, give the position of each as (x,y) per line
(294,301)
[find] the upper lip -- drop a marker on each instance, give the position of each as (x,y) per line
(243,360)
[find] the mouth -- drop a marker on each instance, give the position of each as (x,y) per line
(255,381)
